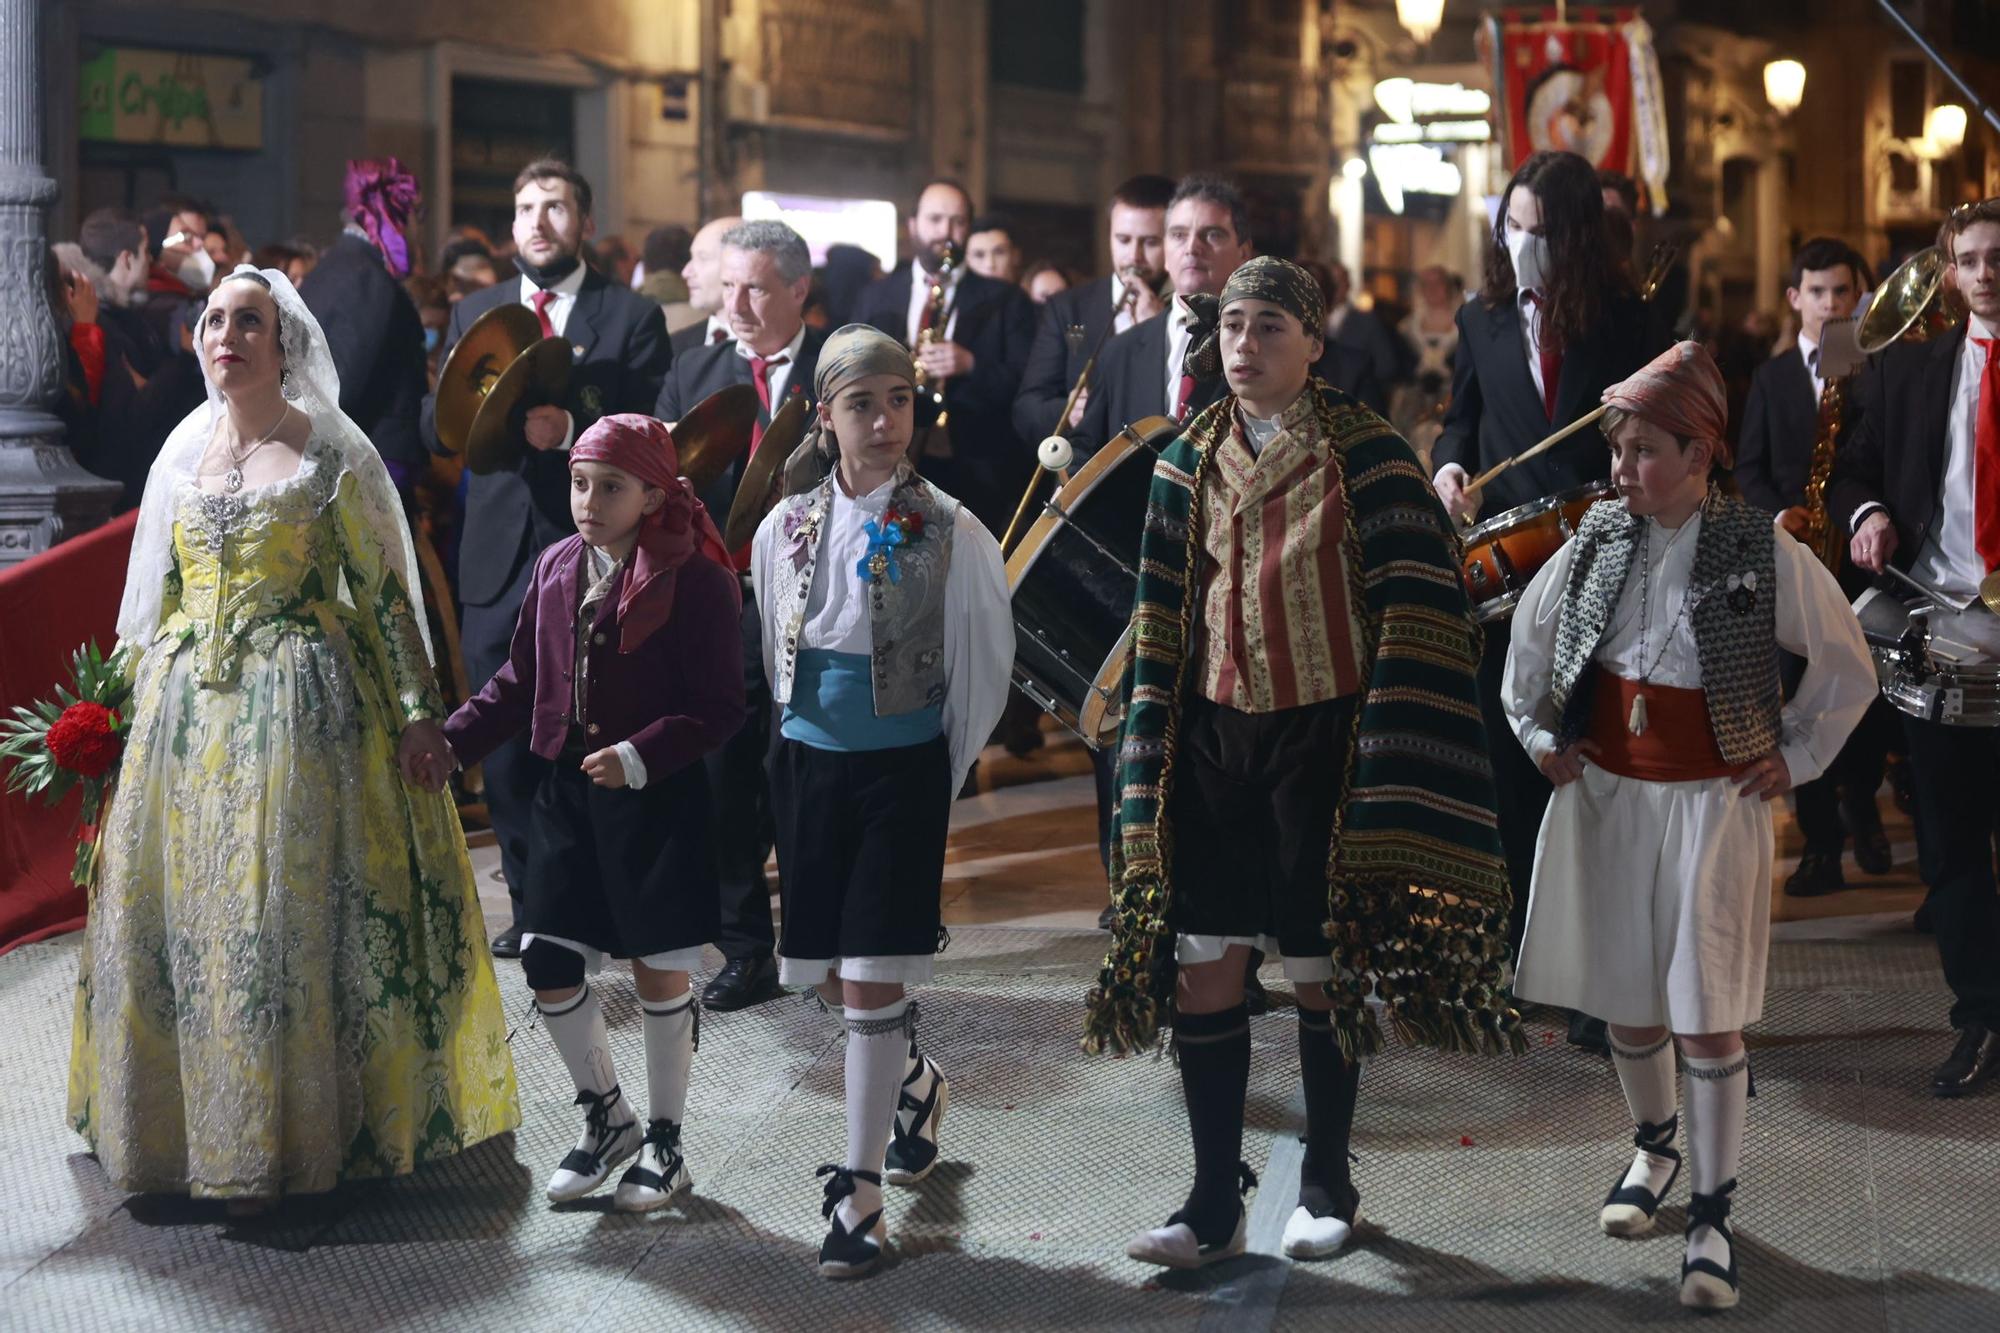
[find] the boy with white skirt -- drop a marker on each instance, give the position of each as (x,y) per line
(1643,679)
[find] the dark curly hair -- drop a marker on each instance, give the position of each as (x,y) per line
(1583,271)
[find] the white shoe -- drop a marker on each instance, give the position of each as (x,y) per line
(659,1176)
(602,1147)
(1176,1246)
(1309,1237)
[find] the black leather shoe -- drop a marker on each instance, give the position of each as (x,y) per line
(741,983)
(507,944)
(1818,874)
(1871,844)
(1589,1033)
(1970,1063)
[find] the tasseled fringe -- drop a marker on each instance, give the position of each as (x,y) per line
(1123,1023)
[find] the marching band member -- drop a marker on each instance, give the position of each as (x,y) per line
(1556,322)
(888,640)
(1774,459)
(1643,680)
(1920,485)
(1303,762)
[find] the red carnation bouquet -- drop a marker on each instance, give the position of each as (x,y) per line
(73,740)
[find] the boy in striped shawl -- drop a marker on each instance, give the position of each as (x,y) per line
(1303,769)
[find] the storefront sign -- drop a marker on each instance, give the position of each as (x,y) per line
(136,95)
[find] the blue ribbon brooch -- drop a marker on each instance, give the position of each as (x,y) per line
(897,529)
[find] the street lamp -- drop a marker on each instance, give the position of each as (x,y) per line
(1784,85)
(1421,17)
(1944,129)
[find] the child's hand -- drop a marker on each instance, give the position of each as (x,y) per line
(1770,777)
(1564,766)
(605,768)
(424,755)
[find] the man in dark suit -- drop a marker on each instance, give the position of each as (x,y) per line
(372,327)
(703,275)
(1139,373)
(1129,295)
(1918,483)
(1774,455)
(1361,331)
(764,272)
(620,355)
(975,356)
(1553,326)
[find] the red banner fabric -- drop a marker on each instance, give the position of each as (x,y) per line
(1567,87)
(49,605)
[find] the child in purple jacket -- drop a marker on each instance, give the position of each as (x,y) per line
(625,669)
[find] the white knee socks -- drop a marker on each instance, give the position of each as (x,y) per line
(576,1026)
(1646,1074)
(876,1061)
(1717,1091)
(669,1027)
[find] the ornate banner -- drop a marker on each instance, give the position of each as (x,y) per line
(1590,86)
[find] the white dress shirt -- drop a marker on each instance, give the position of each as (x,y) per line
(1950,559)
(558,313)
(1809,351)
(1180,322)
(717,324)
(779,373)
(1531,339)
(920,296)
(978,615)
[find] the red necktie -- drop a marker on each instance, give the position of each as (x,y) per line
(540,301)
(760,379)
(1552,361)
(1185,394)
(1986,459)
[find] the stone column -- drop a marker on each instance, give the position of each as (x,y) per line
(44,495)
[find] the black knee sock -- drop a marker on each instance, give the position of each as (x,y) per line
(1331,1084)
(1214,1055)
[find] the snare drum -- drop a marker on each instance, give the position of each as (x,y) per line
(1506,551)
(1934,663)
(1073,577)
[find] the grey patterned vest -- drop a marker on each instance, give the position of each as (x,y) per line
(1735,619)
(905,616)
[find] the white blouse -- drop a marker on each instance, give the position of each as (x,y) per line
(1813,620)
(978,613)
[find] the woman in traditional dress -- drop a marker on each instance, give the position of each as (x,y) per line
(284,982)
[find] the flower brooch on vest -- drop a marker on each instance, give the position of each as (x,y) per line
(802,533)
(898,528)
(1742,592)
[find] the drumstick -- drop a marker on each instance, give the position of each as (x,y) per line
(1555,439)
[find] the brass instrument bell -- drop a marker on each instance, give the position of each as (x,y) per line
(1910,304)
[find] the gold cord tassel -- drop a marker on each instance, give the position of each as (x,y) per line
(1636,723)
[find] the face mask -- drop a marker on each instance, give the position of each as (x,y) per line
(197,271)
(1530,254)
(432,337)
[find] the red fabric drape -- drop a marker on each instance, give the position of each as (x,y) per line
(49,605)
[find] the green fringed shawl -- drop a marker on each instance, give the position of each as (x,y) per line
(1417,894)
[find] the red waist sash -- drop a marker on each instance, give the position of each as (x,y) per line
(1678,744)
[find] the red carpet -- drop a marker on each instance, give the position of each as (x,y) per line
(49,605)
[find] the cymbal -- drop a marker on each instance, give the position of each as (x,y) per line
(714,433)
(478,359)
(537,376)
(757,489)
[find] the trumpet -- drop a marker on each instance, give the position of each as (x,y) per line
(934,322)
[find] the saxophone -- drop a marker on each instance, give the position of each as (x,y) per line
(1821,537)
(934,322)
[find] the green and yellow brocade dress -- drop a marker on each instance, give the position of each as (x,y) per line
(285,982)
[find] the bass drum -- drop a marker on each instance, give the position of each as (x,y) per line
(1073,578)
(1506,551)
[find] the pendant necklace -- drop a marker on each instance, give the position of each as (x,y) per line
(1635,722)
(232,480)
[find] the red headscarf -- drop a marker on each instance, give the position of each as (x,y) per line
(1681,392)
(670,535)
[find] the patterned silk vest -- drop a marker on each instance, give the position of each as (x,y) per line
(905,614)
(1735,619)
